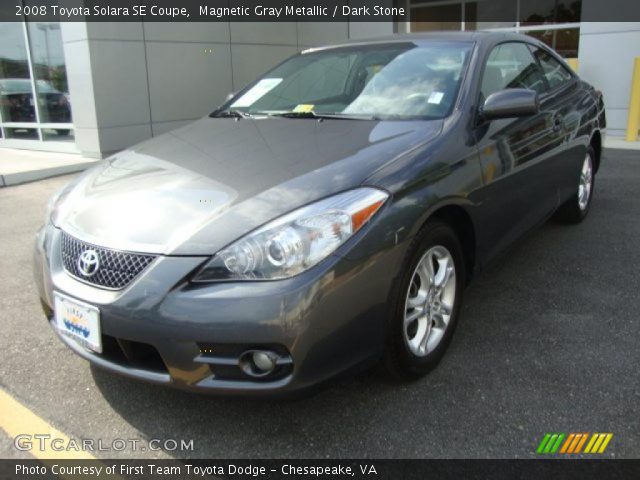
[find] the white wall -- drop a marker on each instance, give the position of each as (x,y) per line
(606,54)
(107,74)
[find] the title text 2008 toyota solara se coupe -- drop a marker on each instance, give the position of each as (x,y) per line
(327,216)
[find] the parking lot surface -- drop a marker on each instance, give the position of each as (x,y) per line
(548,341)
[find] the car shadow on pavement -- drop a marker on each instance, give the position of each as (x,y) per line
(237,427)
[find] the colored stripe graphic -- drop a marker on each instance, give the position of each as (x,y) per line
(594,437)
(543,443)
(581,443)
(567,443)
(577,438)
(573,443)
(557,444)
(550,443)
(598,442)
(596,445)
(603,447)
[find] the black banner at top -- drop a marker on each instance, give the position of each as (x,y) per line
(489,13)
(204,10)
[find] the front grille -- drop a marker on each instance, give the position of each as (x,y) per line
(116,269)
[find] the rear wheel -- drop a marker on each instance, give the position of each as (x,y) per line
(577,207)
(426,302)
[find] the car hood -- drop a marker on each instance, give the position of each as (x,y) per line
(196,189)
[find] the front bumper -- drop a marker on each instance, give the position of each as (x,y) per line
(322,322)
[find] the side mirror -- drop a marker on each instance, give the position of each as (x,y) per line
(510,103)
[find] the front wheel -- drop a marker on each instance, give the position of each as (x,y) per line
(577,207)
(426,302)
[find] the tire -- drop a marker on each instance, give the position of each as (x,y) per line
(575,209)
(403,357)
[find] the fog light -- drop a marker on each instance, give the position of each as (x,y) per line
(258,363)
(264,361)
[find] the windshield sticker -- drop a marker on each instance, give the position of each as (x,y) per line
(260,89)
(303,107)
(435,97)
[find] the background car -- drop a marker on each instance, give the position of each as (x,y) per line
(16,97)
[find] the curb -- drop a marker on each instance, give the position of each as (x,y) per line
(619,143)
(10,179)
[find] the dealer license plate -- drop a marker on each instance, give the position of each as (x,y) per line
(78,321)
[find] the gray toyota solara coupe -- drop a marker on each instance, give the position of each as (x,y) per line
(326,217)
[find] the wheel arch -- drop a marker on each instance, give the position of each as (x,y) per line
(457,217)
(596,144)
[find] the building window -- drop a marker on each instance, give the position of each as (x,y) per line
(555,22)
(490,14)
(34,95)
(436,17)
(543,12)
(564,41)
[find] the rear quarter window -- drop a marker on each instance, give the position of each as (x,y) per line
(555,73)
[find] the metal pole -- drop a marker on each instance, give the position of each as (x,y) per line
(633,122)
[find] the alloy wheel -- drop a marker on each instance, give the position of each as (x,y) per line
(429,301)
(586,182)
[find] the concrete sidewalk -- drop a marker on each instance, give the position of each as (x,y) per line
(620,143)
(21,166)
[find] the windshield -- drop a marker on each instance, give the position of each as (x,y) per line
(383,81)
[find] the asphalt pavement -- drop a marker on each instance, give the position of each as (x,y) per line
(548,341)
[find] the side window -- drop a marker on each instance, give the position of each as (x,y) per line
(555,72)
(511,65)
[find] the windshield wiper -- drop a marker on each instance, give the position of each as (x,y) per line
(322,115)
(231,114)
(295,115)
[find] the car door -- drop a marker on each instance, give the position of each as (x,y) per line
(563,106)
(518,192)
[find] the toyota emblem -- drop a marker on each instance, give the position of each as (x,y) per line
(88,263)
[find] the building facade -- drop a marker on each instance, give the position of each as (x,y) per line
(96,88)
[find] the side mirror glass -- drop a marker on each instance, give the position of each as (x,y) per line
(510,103)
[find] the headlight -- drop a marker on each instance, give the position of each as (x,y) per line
(295,242)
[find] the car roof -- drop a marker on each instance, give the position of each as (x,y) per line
(469,36)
